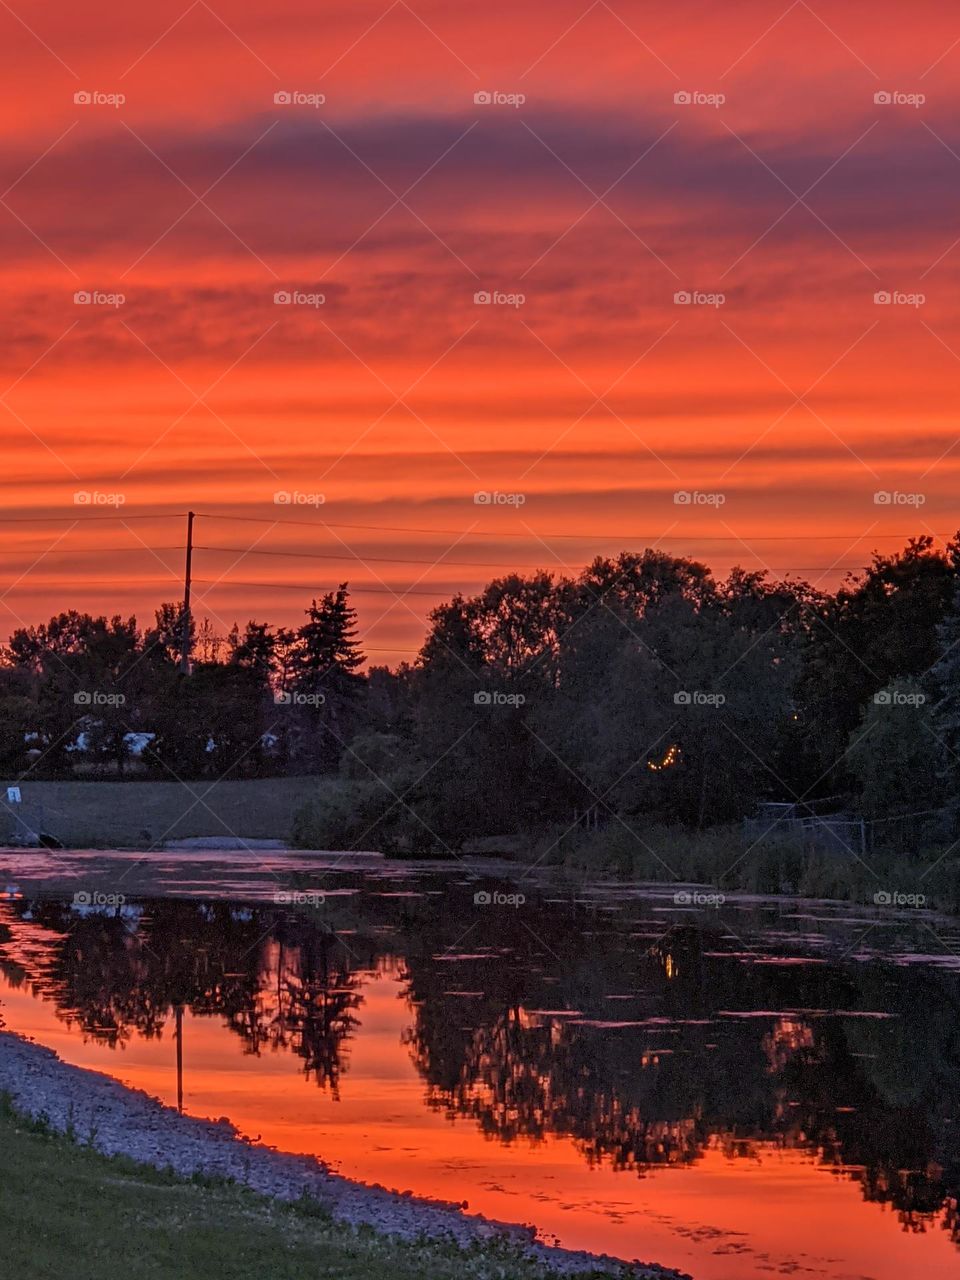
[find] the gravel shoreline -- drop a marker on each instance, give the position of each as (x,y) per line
(99,1112)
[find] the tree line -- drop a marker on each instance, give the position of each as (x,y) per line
(642,686)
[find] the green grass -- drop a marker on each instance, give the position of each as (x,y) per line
(721,857)
(67,1211)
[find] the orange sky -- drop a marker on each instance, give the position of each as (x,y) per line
(598,198)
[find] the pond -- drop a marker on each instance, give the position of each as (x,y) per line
(751,1089)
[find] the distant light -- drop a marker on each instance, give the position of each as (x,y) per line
(670,758)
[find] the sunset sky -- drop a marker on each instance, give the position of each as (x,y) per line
(599,197)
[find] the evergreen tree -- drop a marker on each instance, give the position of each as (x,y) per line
(255,650)
(327,685)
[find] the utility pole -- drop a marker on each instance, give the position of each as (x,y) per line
(185,621)
(180,1058)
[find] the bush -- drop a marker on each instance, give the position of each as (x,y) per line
(364,815)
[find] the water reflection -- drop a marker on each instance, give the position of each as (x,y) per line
(278,983)
(646,1047)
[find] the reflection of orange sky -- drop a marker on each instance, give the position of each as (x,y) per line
(493,398)
(721,1219)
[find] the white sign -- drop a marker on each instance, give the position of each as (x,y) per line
(13,795)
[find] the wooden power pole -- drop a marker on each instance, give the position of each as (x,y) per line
(180,1058)
(185,622)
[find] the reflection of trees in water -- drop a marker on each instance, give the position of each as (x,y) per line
(277,981)
(304,1003)
(876,1099)
(525,1077)
(873,1098)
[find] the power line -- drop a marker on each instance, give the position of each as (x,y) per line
(103,582)
(352,555)
(594,537)
(312,587)
(80,551)
(164,515)
(484,565)
(48,582)
(308,588)
(319,525)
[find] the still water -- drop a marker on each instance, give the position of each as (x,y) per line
(753,1090)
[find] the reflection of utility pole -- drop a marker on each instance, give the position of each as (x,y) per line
(185,623)
(180,1058)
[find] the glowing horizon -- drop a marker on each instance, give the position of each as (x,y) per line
(799,199)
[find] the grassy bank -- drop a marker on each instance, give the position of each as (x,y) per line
(347,814)
(723,858)
(66,1211)
(141,814)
